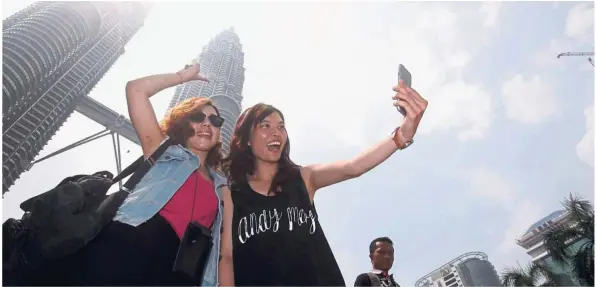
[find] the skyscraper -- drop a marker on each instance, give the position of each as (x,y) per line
(222,62)
(469,269)
(53,54)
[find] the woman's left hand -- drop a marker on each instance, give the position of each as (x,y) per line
(415,107)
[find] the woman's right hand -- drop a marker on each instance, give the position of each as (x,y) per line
(143,117)
(191,73)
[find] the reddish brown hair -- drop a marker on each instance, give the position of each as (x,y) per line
(177,126)
(240,162)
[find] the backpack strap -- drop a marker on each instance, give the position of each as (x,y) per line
(374,279)
(140,167)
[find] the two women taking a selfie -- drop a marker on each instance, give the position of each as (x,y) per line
(248,219)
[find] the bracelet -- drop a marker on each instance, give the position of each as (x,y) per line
(396,137)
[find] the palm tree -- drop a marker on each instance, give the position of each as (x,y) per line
(535,274)
(559,238)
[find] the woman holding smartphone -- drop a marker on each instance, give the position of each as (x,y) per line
(271,233)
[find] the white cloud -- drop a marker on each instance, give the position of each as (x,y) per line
(438,19)
(491,9)
(447,42)
(466,108)
(491,185)
(585,149)
(529,101)
(578,38)
(579,22)
(436,48)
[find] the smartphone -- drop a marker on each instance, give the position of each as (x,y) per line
(404,75)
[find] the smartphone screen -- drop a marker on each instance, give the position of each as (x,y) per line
(404,75)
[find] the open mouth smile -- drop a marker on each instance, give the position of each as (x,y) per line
(274,146)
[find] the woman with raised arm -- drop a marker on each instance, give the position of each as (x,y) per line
(271,232)
(142,245)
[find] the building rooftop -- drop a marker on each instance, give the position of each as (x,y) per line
(427,279)
(542,221)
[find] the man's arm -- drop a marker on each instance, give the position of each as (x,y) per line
(362,280)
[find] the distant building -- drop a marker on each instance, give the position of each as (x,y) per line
(222,61)
(469,269)
(532,241)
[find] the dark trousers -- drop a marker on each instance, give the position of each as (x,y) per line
(132,256)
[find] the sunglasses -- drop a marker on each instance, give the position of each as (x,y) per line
(215,120)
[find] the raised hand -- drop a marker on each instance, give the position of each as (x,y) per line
(191,73)
(415,107)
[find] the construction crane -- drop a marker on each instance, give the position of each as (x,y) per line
(581,54)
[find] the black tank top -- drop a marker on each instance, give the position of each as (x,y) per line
(277,240)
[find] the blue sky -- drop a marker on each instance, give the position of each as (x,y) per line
(506,136)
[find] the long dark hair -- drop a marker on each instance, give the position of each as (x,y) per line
(240,163)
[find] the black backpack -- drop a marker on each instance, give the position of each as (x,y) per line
(61,221)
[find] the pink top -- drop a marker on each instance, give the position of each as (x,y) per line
(178,210)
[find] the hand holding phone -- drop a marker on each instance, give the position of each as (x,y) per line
(408,102)
(404,75)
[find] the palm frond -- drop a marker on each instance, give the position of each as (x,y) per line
(579,206)
(556,242)
(583,264)
(582,213)
(516,277)
(539,270)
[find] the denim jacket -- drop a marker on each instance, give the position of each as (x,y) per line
(156,188)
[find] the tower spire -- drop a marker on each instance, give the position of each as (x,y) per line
(222,62)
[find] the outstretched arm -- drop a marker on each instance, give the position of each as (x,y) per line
(321,175)
(141,111)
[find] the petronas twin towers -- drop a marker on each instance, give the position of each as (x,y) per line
(54,53)
(222,62)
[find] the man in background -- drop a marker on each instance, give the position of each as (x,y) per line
(381,252)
